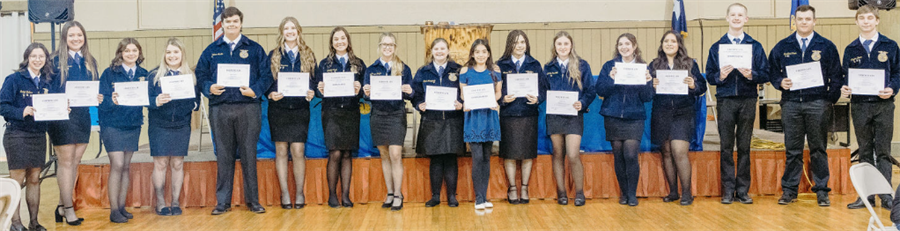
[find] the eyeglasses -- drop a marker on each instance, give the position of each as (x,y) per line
(388,44)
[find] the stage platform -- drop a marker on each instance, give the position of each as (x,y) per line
(767,167)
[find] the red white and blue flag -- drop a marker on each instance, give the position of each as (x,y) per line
(218,31)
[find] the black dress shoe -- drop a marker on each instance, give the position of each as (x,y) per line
(562,201)
(221,208)
(786,198)
(347,203)
(671,197)
(388,204)
(299,206)
(333,202)
(687,200)
(397,208)
(579,199)
(116,216)
(886,203)
(727,198)
(34,226)
(256,208)
(632,201)
(433,202)
(858,204)
(822,200)
(126,214)
(287,206)
(165,211)
(744,198)
(623,200)
(452,202)
(18,227)
(61,218)
(175,210)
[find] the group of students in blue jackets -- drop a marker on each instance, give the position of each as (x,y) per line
(235,113)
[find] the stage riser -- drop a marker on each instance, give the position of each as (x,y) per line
(767,168)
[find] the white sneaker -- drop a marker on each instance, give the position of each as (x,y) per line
(479,206)
(488,204)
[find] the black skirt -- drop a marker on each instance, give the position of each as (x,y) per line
(564,124)
(671,125)
(438,137)
(120,139)
(388,129)
(623,129)
(76,130)
(288,125)
(518,137)
(25,149)
(169,141)
(341,127)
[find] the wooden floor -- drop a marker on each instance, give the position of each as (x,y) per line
(599,214)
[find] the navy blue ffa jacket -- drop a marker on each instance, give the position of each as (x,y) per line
(245,52)
(175,113)
(560,81)
(388,107)
(426,76)
(112,115)
(787,52)
(288,66)
(77,72)
(622,101)
(330,65)
(735,84)
(885,55)
(520,106)
(680,102)
(16,95)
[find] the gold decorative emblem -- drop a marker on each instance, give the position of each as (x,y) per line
(882,56)
(452,77)
(816,55)
(365,108)
(244,54)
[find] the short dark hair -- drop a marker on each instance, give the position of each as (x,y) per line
(232,11)
(805,8)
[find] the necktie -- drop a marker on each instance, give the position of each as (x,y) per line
(441,71)
(77,58)
(737,41)
(174,72)
(803,46)
(231,45)
(37,81)
(562,69)
(343,62)
(518,65)
(292,56)
(387,68)
(866,45)
(130,74)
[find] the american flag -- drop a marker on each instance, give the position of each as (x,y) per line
(218,31)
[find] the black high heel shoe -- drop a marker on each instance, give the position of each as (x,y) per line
(333,202)
(671,197)
(579,199)
(346,203)
(562,198)
(60,217)
(397,208)
(388,204)
(509,190)
(522,199)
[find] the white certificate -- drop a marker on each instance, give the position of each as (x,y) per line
(479,96)
(736,55)
(522,85)
(293,84)
(82,93)
(233,75)
(132,93)
(631,74)
(805,75)
(50,106)
(386,87)
(440,98)
(561,102)
(178,87)
(865,81)
(671,82)
(338,84)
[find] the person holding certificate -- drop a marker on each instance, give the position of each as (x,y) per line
(170,126)
(566,71)
(623,116)
(340,114)
(289,115)
(805,111)
(24,138)
(672,117)
(519,113)
(388,117)
(440,134)
(235,113)
(873,114)
(72,62)
(482,125)
(120,126)
(736,95)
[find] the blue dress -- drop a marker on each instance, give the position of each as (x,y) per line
(481,125)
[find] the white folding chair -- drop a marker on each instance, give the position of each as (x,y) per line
(10,192)
(868,181)
(711,105)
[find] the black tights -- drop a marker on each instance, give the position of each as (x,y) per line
(339,161)
(567,147)
(628,170)
(680,164)
(30,178)
(119,179)
(443,168)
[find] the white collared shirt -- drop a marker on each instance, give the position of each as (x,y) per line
(565,63)
(871,45)
(236,40)
(731,38)
(514,60)
(132,69)
(72,53)
(438,67)
(294,49)
(32,74)
(634,60)
(345,56)
(808,39)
